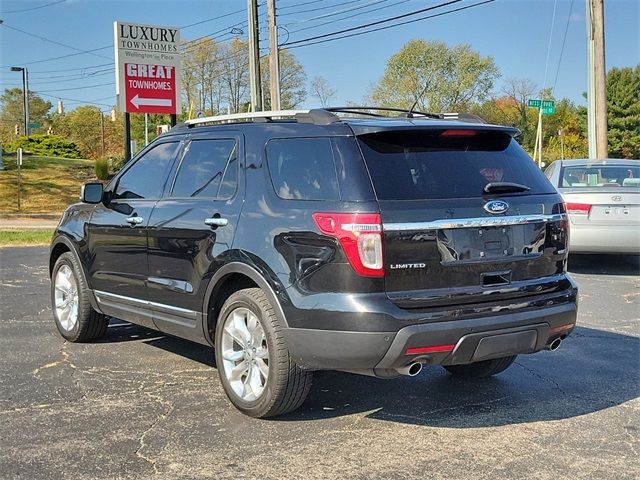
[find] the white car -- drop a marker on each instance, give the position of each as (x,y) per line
(603,203)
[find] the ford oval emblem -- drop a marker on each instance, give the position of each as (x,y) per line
(496,206)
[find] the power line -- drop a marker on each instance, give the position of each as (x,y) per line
(390,19)
(546,63)
(45,39)
(214,18)
(315,2)
(392,26)
(315,9)
(35,8)
(348,17)
(94,102)
(79,88)
(564,40)
(62,56)
(337,12)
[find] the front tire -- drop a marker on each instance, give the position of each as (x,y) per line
(76,320)
(483,369)
(255,367)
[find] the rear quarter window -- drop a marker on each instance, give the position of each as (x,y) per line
(303,169)
(436,164)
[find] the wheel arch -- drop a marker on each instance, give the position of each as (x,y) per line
(60,245)
(227,280)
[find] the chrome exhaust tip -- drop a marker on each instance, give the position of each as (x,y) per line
(410,370)
(553,346)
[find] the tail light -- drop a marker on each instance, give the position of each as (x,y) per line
(458,132)
(578,208)
(360,235)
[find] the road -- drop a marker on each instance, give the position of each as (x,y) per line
(139,404)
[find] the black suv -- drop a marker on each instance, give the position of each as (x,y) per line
(334,239)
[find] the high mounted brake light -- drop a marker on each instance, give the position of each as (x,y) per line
(360,235)
(458,132)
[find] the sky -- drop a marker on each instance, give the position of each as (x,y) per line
(516,33)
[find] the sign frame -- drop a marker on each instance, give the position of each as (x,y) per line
(148,68)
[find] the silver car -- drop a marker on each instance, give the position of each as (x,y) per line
(603,202)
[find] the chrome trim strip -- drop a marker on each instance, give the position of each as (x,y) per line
(478,222)
(145,303)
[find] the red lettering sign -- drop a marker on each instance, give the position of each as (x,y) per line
(150,88)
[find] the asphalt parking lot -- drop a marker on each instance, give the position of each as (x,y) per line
(139,404)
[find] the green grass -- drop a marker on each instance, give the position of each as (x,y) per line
(49,184)
(22,238)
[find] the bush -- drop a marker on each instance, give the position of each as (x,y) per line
(115,164)
(46,145)
(102,169)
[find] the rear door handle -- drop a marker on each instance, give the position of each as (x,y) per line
(134,220)
(216,222)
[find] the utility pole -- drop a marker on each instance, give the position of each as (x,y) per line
(254,55)
(102,131)
(597,88)
(274,60)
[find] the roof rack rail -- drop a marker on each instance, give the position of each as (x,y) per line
(234,117)
(326,116)
(358,110)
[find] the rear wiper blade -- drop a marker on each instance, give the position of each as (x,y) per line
(495,187)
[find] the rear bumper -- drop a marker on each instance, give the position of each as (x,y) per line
(604,239)
(472,339)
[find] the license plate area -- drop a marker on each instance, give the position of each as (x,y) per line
(490,243)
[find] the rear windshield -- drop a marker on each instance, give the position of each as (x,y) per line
(432,164)
(601,176)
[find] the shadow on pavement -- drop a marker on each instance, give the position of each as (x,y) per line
(592,371)
(604,264)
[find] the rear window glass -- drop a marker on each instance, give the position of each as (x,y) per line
(303,169)
(601,176)
(412,165)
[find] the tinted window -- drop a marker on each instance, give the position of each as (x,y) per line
(446,164)
(601,176)
(147,176)
(203,167)
(303,169)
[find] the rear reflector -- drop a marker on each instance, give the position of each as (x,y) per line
(578,208)
(360,235)
(431,349)
(561,328)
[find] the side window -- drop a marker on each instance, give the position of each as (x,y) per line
(303,168)
(209,168)
(147,176)
(549,171)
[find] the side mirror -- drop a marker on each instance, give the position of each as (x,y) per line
(92,193)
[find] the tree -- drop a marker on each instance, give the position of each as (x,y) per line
(12,112)
(321,89)
(292,81)
(82,127)
(436,77)
(623,106)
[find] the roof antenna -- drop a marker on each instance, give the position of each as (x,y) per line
(415,104)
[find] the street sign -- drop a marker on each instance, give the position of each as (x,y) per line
(34,125)
(147,68)
(548,106)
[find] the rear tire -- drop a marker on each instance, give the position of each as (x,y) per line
(483,369)
(255,367)
(76,320)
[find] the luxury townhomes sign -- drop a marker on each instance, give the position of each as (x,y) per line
(148,68)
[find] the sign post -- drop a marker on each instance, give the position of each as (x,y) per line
(19,165)
(545,107)
(148,71)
